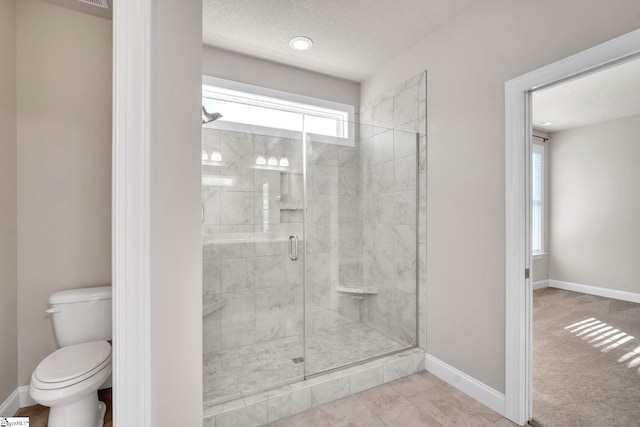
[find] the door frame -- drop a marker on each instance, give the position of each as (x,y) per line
(133,123)
(519,320)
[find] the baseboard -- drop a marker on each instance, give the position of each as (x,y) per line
(25,397)
(594,290)
(10,406)
(541,284)
(469,385)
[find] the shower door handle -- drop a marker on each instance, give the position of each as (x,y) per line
(293,247)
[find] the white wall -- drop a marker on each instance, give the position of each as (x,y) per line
(248,69)
(176,257)
(8,200)
(64,164)
(468,61)
(595,205)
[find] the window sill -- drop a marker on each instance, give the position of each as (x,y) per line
(539,255)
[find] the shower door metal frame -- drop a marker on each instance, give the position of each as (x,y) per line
(304,247)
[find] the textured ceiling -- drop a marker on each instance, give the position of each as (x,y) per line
(609,94)
(352,38)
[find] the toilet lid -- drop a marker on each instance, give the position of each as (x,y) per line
(74,362)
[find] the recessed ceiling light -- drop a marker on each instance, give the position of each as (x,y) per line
(547,123)
(300,43)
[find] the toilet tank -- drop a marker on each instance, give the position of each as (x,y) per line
(81,315)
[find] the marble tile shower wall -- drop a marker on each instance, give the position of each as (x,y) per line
(333,227)
(392,169)
(249,213)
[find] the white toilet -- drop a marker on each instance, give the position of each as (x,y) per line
(69,378)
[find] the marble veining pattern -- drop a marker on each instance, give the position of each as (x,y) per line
(244,371)
(393,170)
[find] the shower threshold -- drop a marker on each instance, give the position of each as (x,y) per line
(300,394)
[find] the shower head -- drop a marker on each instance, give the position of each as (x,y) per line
(209,117)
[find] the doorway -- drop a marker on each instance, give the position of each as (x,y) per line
(519,284)
(584,209)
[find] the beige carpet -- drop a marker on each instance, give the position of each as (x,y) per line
(586,360)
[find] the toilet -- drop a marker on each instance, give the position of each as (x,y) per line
(68,380)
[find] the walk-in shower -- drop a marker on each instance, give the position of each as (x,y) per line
(309,253)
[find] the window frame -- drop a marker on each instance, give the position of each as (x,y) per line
(538,149)
(232,91)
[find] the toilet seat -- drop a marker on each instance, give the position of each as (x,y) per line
(71,365)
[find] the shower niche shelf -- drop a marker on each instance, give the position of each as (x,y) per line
(292,206)
(210,304)
(358,290)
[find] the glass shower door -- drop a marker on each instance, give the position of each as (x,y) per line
(253,235)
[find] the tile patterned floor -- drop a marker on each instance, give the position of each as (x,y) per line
(332,348)
(417,400)
(248,370)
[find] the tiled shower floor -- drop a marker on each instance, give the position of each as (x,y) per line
(240,372)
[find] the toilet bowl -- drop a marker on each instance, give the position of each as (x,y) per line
(68,380)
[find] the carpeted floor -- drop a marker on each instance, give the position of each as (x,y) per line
(586,360)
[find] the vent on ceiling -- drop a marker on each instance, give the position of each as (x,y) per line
(99,3)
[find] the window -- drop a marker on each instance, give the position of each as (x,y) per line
(270,112)
(537,199)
